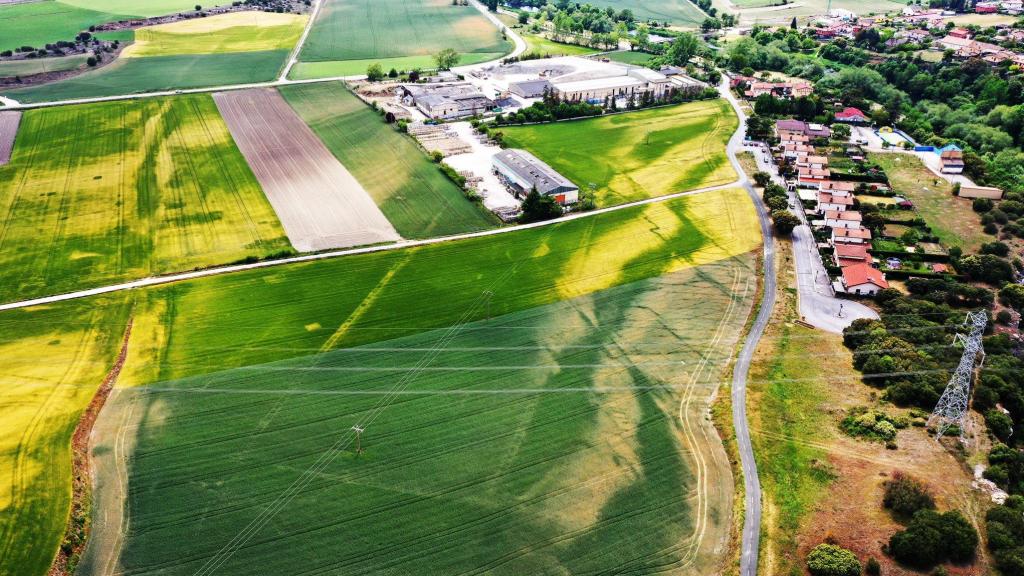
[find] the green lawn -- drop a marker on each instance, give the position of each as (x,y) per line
(503,430)
(38,23)
(416,197)
(158,73)
(541,45)
(380,29)
(41,65)
(639,154)
(637,58)
(101,193)
(337,68)
(54,359)
(952,219)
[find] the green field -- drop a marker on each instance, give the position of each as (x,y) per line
(639,154)
(102,193)
(369,30)
(223,33)
(54,359)
(541,45)
(574,415)
(626,57)
(416,197)
(40,65)
(160,73)
(678,12)
(38,23)
(338,68)
(952,219)
(765,12)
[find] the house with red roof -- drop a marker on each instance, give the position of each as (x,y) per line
(862,279)
(852,115)
(851,235)
(851,254)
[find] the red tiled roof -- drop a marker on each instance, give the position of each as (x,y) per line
(859,274)
(850,114)
(852,251)
(862,233)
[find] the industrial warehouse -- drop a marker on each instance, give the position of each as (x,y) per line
(522,172)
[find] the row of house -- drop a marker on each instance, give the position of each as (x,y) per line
(959,40)
(833,206)
(784,90)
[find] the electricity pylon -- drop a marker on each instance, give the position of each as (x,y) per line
(359,438)
(952,406)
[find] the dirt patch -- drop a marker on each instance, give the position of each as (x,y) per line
(77,532)
(319,202)
(9,122)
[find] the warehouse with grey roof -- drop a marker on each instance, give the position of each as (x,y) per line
(521,172)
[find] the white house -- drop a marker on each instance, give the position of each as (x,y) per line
(863,280)
(847,219)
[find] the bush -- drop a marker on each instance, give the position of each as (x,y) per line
(537,208)
(906,495)
(1012,295)
(872,567)
(933,538)
(982,205)
(1004,317)
(831,560)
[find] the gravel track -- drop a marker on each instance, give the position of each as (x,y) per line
(9,122)
(319,202)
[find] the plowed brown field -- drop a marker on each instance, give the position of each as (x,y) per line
(319,202)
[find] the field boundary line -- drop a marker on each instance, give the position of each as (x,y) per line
(402,244)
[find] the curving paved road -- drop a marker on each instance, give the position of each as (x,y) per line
(751,483)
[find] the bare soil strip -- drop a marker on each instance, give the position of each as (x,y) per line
(9,122)
(77,532)
(319,202)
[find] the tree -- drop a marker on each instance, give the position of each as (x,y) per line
(537,208)
(762,178)
(793,24)
(492,5)
(446,59)
(832,560)
(374,72)
(683,48)
(785,222)
(841,132)
(198,7)
(873,568)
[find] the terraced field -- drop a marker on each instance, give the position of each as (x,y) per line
(564,433)
(637,155)
(352,33)
(106,192)
(416,197)
(41,402)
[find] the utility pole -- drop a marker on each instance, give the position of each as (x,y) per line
(359,438)
(952,407)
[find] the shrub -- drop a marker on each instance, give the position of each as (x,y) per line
(906,495)
(872,567)
(933,538)
(1012,295)
(1004,317)
(982,205)
(831,560)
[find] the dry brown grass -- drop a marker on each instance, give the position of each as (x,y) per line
(819,483)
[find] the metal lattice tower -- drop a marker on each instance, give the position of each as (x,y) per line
(952,406)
